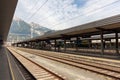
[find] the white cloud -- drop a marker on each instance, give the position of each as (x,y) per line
(59,14)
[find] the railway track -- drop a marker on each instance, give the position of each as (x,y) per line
(76,58)
(109,70)
(39,72)
(25,73)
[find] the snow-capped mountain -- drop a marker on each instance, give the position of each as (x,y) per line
(40,30)
(21,30)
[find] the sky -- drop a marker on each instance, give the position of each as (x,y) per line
(63,14)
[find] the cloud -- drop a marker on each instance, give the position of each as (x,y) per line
(62,14)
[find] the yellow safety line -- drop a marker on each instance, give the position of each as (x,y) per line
(11,70)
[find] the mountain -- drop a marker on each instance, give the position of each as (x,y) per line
(21,30)
(20,27)
(38,30)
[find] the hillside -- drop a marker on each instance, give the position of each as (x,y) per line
(21,30)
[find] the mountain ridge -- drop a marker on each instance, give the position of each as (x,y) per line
(21,30)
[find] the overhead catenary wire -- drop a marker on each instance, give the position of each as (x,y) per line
(34,5)
(91,11)
(52,14)
(37,1)
(80,14)
(88,12)
(100,18)
(38,9)
(49,15)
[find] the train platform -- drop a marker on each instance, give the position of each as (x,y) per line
(67,72)
(96,57)
(4,66)
(36,70)
(10,68)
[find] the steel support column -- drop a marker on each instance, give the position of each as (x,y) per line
(16,45)
(27,45)
(39,45)
(30,45)
(55,45)
(102,43)
(76,43)
(90,45)
(23,45)
(110,44)
(64,44)
(116,43)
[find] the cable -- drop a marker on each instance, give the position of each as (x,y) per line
(45,18)
(53,13)
(38,9)
(88,12)
(34,5)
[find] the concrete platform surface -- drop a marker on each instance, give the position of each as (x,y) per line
(8,67)
(67,71)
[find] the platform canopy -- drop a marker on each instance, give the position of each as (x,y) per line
(107,25)
(7,9)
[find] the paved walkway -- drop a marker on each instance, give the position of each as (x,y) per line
(8,67)
(4,66)
(67,71)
